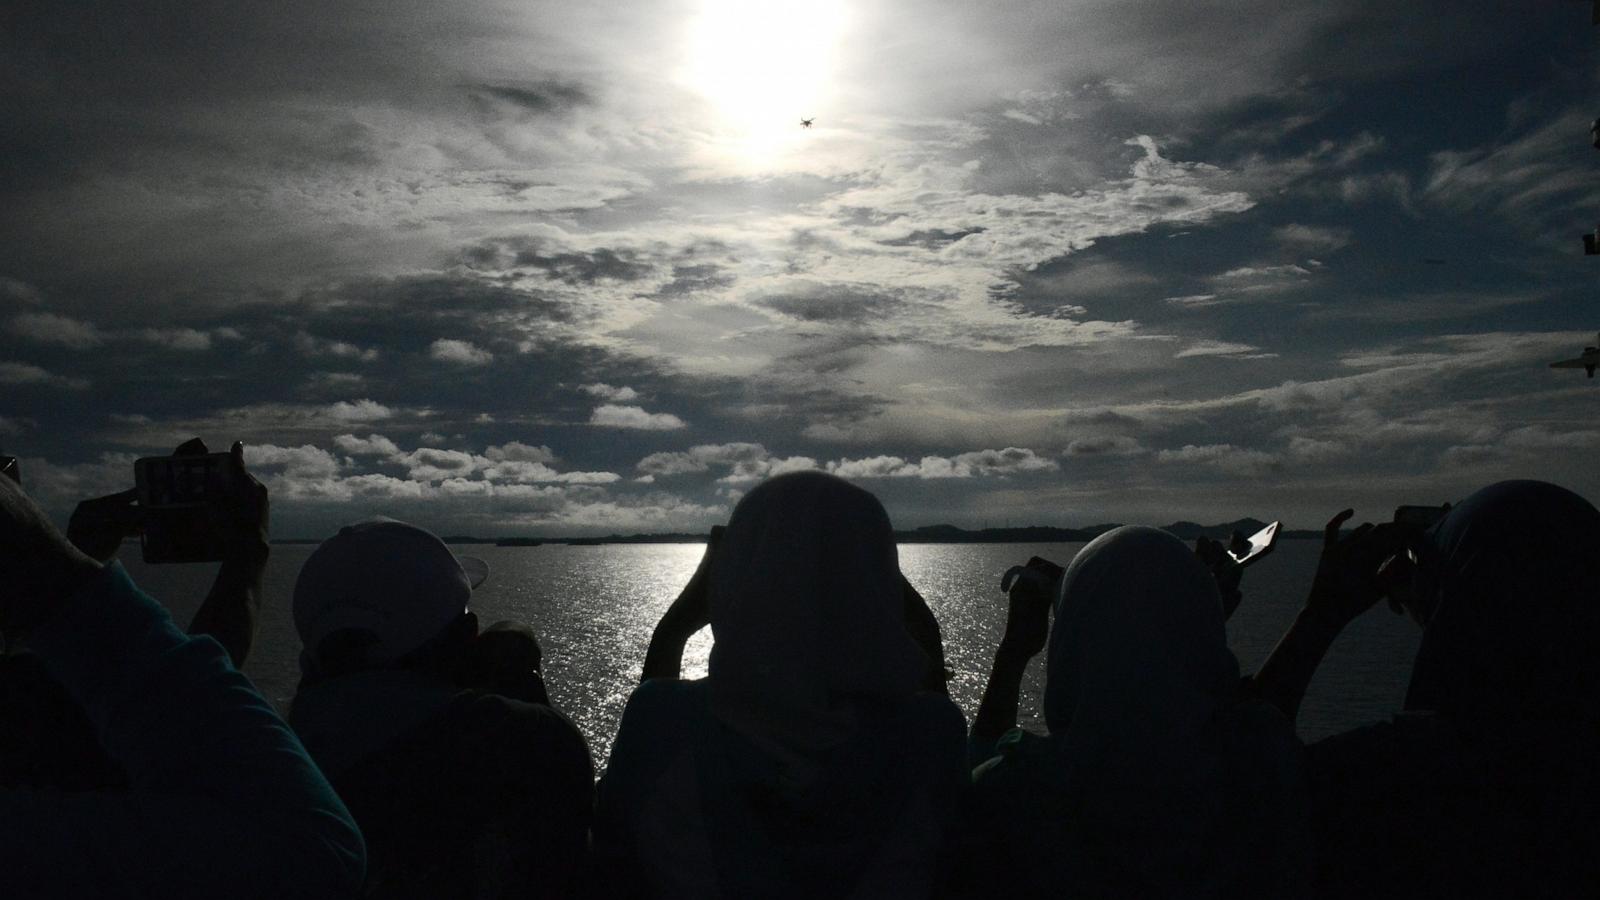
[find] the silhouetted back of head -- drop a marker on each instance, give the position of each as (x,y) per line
(1515,627)
(807,609)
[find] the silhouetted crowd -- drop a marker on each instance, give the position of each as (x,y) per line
(821,756)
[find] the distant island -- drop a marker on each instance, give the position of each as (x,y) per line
(927,534)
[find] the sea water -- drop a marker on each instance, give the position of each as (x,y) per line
(594,608)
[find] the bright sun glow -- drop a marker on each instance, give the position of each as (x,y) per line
(763,65)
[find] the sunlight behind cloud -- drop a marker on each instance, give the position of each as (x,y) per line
(762,66)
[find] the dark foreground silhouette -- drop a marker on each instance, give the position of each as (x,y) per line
(821,756)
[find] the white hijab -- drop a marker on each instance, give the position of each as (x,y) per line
(807,612)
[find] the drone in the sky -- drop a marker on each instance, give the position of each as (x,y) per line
(806,123)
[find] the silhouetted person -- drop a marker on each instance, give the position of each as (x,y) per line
(820,756)
(45,740)
(1489,783)
(1157,778)
(442,740)
(221,799)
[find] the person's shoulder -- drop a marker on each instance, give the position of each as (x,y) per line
(487,728)
(930,714)
(674,699)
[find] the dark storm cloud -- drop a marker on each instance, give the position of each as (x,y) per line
(541,98)
(693,279)
(931,239)
(835,303)
(569,267)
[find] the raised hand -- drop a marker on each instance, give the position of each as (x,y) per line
(687,614)
(1224,570)
(1347,581)
(98,526)
(1347,584)
(1030,595)
(242,512)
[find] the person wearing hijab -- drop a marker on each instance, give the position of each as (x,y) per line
(1157,778)
(820,756)
(1487,783)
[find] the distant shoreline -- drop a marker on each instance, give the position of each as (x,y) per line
(930,534)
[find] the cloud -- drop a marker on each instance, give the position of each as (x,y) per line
(1221,348)
(435,464)
(516,451)
(20,291)
(612,416)
(978,463)
(49,328)
(187,339)
(1109,445)
(457,471)
(1312,238)
(305,461)
(27,373)
(743,462)
(574,268)
(746,462)
(59,486)
(358,411)
(1224,457)
(311,345)
(462,352)
(701,458)
(371,445)
(607,392)
(541,97)
(1528,178)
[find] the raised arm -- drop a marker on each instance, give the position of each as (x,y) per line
(222,799)
(229,613)
(1027,628)
(687,614)
(232,609)
(1346,585)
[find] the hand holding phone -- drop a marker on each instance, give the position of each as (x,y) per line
(1031,592)
(192,506)
(1249,551)
(99,525)
(176,495)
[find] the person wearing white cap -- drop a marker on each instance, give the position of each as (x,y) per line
(441,739)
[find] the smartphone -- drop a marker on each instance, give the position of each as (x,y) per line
(175,494)
(9,468)
(1420,517)
(1249,551)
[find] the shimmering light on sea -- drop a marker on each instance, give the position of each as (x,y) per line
(594,608)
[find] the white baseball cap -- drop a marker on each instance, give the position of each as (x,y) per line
(398,581)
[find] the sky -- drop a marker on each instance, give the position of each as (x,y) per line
(538,268)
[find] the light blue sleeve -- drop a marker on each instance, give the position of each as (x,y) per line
(222,802)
